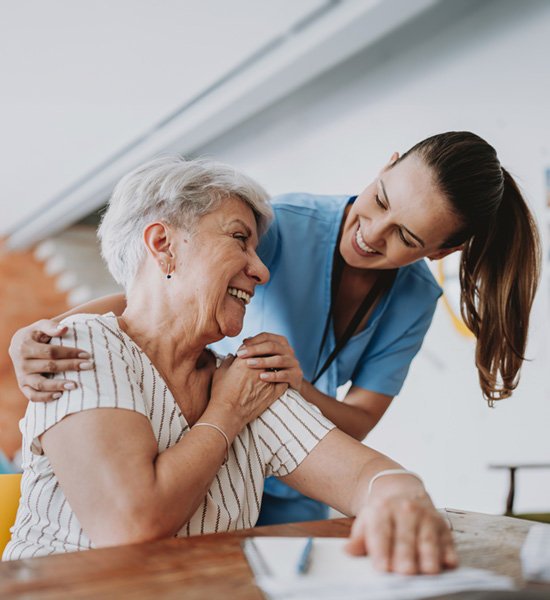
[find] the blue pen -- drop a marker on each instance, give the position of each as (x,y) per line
(305,558)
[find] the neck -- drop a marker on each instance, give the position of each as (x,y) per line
(172,344)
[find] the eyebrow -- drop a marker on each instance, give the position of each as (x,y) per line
(402,226)
(247,229)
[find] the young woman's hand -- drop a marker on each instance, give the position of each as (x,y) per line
(401,531)
(273,355)
(34,358)
(237,389)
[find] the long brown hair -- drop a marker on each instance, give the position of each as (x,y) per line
(500,264)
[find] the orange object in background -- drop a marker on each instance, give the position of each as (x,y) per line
(10,492)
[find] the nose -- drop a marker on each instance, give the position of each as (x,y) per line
(257,271)
(377,231)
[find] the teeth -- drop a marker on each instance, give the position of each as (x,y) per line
(239,294)
(361,243)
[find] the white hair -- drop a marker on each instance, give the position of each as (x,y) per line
(174,190)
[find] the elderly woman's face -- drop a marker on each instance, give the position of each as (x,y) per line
(221,264)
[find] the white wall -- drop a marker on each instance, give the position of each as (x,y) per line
(479,66)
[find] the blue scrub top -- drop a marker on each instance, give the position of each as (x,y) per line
(298,250)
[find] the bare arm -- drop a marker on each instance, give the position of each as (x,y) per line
(115,303)
(356,415)
(32,355)
(131,492)
(397,525)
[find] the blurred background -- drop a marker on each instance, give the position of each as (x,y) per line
(304,95)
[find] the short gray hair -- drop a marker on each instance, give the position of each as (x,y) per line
(174,190)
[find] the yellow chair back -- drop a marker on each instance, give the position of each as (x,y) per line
(10,492)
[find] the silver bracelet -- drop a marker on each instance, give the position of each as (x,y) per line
(227,444)
(392,472)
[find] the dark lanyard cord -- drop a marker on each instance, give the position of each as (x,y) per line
(383,282)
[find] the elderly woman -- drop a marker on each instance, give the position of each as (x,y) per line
(161,438)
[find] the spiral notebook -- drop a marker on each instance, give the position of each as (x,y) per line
(333,573)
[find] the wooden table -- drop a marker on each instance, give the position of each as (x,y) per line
(213,566)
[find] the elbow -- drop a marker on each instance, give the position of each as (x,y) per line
(359,434)
(123,536)
(134,523)
(360,429)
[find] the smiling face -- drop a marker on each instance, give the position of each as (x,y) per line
(398,219)
(221,265)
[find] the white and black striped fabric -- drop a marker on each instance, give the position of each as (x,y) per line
(123,377)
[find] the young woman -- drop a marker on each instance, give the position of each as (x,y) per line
(351,298)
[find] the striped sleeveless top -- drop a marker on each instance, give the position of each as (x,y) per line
(123,377)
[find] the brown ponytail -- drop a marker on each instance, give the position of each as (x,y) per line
(499,272)
(500,265)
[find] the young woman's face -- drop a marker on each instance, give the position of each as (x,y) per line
(398,219)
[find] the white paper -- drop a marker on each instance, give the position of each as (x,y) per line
(335,574)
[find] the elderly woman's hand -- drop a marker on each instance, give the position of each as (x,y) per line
(236,385)
(33,357)
(401,531)
(273,355)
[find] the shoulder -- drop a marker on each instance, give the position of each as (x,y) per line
(92,321)
(300,217)
(292,414)
(417,281)
(107,384)
(308,205)
(289,430)
(93,332)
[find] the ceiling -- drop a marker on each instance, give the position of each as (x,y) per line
(82,80)
(91,89)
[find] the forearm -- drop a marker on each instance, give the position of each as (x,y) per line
(115,303)
(184,473)
(352,420)
(321,476)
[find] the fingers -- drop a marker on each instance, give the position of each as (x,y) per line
(276,376)
(45,329)
(271,362)
(38,388)
(379,540)
(32,357)
(404,558)
(292,374)
(264,337)
(54,352)
(38,367)
(356,545)
(32,343)
(265,344)
(430,553)
(435,546)
(36,351)
(36,396)
(449,555)
(405,538)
